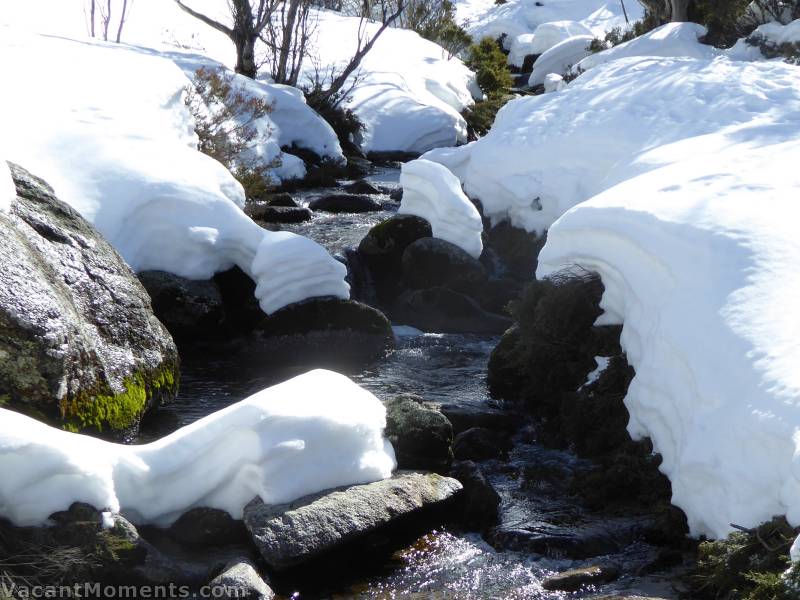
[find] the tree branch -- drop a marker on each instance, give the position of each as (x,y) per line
(207,20)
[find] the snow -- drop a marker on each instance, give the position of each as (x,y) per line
(432,192)
(794,551)
(602,365)
(554,83)
(545,37)
(8,191)
(560,58)
(778,33)
(675,180)
(314,432)
(108,129)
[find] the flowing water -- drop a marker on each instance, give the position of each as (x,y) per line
(449,369)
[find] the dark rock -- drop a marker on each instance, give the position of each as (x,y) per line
(358,166)
(277,214)
(362,186)
(481,501)
(239,579)
(480,444)
(465,417)
(238,290)
(188,309)
(392,157)
(516,249)
(496,295)
(282,199)
(396,194)
(207,527)
(527,63)
(290,534)
(327,329)
(345,203)
(430,262)
(383,247)
(506,372)
(80,346)
(576,579)
(421,435)
(443,310)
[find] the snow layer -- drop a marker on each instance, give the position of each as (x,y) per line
(560,58)
(8,192)
(432,192)
(108,129)
(316,431)
(545,37)
(778,33)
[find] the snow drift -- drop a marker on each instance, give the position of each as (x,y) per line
(316,431)
(7,190)
(675,180)
(108,129)
(560,58)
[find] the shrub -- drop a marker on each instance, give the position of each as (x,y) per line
(480,116)
(436,21)
(225,122)
(333,109)
(618,35)
(489,62)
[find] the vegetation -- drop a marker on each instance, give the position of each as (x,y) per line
(493,76)
(333,108)
(435,20)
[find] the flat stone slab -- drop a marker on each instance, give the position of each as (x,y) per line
(290,534)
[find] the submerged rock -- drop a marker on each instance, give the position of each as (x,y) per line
(80,346)
(421,435)
(345,203)
(478,443)
(313,526)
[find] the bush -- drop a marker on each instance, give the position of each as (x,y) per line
(489,62)
(225,122)
(345,122)
(436,21)
(618,35)
(480,116)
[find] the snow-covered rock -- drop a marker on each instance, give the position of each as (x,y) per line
(548,35)
(554,83)
(560,58)
(313,432)
(108,129)
(432,192)
(778,34)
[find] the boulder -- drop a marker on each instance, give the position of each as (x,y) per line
(80,346)
(281,199)
(357,166)
(481,501)
(267,213)
(396,194)
(203,526)
(189,309)
(430,262)
(443,310)
(478,443)
(466,416)
(576,579)
(506,372)
(516,249)
(239,579)
(383,246)
(313,526)
(325,331)
(421,435)
(362,186)
(345,203)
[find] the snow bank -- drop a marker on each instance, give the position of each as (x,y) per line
(560,58)
(432,192)
(8,191)
(316,431)
(108,129)
(778,33)
(545,37)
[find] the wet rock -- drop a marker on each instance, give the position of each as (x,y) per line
(443,310)
(430,262)
(281,199)
(291,534)
(464,417)
(576,579)
(188,309)
(506,372)
(481,501)
(207,527)
(345,203)
(341,331)
(421,435)
(80,346)
(384,244)
(496,295)
(478,443)
(358,166)
(396,194)
(516,249)
(240,579)
(362,186)
(267,213)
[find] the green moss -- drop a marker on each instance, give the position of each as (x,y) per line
(4,399)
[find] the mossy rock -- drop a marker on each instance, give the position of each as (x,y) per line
(80,347)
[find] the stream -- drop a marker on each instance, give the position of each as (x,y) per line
(449,369)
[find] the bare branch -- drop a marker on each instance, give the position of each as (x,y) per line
(207,20)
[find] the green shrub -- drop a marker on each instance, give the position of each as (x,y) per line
(486,58)
(436,21)
(225,122)
(480,116)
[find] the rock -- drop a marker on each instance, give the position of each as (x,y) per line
(358,166)
(189,309)
(478,443)
(308,528)
(238,290)
(345,203)
(495,295)
(421,435)
(362,186)
(80,346)
(207,527)
(516,249)
(430,262)
(282,199)
(396,194)
(443,310)
(575,579)
(240,580)
(328,329)
(267,213)
(464,417)
(506,373)
(481,501)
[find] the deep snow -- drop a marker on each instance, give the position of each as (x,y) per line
(7,190)
(314,432)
